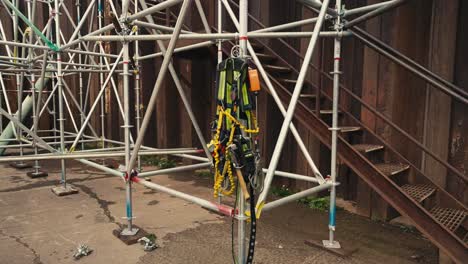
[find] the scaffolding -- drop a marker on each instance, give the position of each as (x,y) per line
(38,58)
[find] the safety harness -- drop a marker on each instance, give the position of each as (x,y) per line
(235,118)
(235,135)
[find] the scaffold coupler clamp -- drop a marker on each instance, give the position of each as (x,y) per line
(53,13)
(339,25)
(130,176)
(329,180)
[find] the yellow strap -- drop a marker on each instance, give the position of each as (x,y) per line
(219,177)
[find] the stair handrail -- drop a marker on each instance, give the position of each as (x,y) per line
(361,32)
(404,61)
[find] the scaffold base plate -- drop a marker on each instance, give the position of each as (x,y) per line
(333,244)
(63,191)
(39,174)
(129,238)
(340,251)
(21,165)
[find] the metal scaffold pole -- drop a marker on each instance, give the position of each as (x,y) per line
(220,56)
(331,242)
(80,74)
(59,77)
(64,189)
(101,79)
(241,217)
(129,230)
(137,85)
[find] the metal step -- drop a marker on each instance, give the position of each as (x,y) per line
(449,217)
(292,83)
(419,192)
(367,148)
(288,81)
(327,112)
(308,96)
(350,129)
(391,169)
(265,57)
(277,69)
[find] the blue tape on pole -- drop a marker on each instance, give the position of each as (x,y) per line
(99,7)
(332,220)
(129,210)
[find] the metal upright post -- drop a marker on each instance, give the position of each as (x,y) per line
(19,87)
(220,30)
(101,78)
(19,132)
(33,88)
(129,230)
(36,116)
(80,74)
(54,112)
(241,217)
(64,189)
(220,55)
(331,243)
(60,93)
(137,86)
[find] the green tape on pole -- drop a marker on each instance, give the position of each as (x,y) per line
(49,43)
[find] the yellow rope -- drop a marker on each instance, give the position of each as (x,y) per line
(219,177)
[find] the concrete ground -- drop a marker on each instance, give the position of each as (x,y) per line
(38,227)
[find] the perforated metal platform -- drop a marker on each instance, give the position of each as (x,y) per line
(449,217)
(366,148)
(419,192)
(391,169)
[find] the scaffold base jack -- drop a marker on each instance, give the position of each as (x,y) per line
(21,165)
(37,174)
(64,190)
(335,248)
(331,244)
(130,237)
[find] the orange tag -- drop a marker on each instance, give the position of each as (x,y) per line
(254,80)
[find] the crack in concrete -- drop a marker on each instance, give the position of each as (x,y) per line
(37,258)
(103,204)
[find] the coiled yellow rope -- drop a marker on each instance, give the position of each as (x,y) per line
(219,177)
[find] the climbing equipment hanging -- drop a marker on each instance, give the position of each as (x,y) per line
(235,118)
(234,146)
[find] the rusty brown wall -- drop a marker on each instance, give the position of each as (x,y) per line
(458,140)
